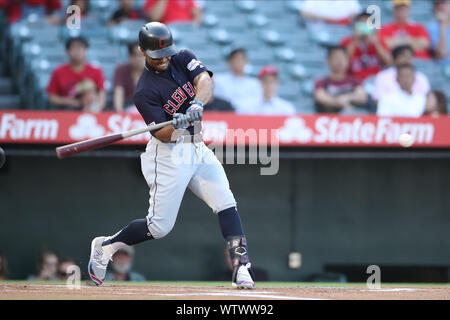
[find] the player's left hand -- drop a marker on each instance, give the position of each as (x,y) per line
(195,111)
(195,105)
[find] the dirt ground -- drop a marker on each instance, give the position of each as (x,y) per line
(172,292)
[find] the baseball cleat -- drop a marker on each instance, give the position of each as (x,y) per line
(243,278)
(98,261)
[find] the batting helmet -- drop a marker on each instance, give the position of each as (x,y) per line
(156,40)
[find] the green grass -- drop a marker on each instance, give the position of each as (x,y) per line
(259,284)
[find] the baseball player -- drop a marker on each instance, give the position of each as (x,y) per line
(174,86)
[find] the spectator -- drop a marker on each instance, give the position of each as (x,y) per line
(339,92)
(235,86)
(121,266)
(403,32)
(436,104)
(330,11)
(47,267)
(86,93)
(17,10)
(367,54)
(84,5)
(386,81)
(439,31)
(126,77)
(64,89)
(63,272)
(87,20)
(268,103)
(403,102)
(170,11)
(3,267)
(125,12)
(260,274)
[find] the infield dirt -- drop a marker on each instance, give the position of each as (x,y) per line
(157,291)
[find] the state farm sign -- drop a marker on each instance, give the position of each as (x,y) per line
(342,130)
(58,127)
(14,128)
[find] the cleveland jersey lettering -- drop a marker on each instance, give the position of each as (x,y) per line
(180,96)
(161,94)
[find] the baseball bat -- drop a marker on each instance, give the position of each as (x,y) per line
(95,143)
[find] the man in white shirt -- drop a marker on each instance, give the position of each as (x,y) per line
(330,11)
(234,86)
(386,81)
(268,103)
(403,102)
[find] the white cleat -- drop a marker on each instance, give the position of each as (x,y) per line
(243,278)
(98,261)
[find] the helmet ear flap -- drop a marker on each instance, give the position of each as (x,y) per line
(142,51)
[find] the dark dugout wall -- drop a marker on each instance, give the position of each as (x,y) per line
(346,211)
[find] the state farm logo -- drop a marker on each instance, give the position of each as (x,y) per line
(86,128)
(295,130)
(345,130)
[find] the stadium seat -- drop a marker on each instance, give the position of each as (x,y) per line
(247,40)
(245,5)
(305,104)
(298,71)
(274,9)
(93,29)
(307,87)
(102,10)
(5,86)
(210,20)
(220,36)
(252,69)
(126,31)
(285,54)
(220,8)
(111,55)
(293,5)
(9,101)
(290,90)
(327,35)
(272,37)
(260,55)
(257,20)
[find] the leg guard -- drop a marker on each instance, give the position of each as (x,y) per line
(237,245)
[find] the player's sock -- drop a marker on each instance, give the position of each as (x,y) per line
(134,233)
(230,223)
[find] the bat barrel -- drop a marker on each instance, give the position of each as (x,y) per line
(95,143)
(78,147)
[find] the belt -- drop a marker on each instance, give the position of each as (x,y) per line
(190,139)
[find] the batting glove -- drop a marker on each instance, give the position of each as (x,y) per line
(195,105)
(195,111)
(180,121)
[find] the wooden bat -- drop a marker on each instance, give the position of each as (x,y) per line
(95,143)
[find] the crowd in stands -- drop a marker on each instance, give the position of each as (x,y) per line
(52,267)
(385,57)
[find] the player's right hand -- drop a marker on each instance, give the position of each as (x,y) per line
(180,121)
(194,115)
